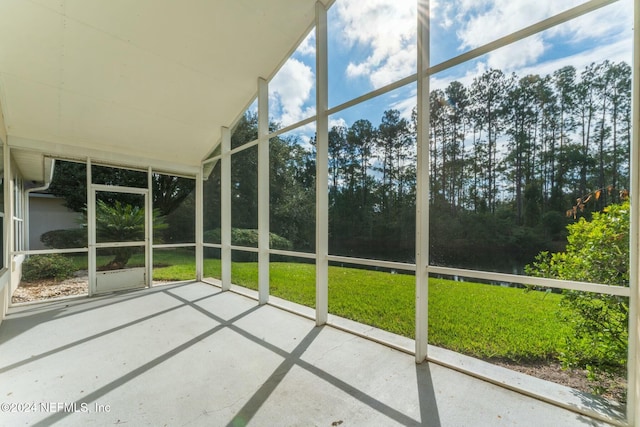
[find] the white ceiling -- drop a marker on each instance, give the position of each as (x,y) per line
(141,79)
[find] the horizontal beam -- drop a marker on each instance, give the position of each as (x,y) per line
(77,153)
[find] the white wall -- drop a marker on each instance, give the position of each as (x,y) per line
(47,213)
(3,127)
(4,274)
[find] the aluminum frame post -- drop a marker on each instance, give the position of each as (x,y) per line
(225,207)
(322,168)
(422,189)
(263,191)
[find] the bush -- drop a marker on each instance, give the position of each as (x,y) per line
(51,266)
(247,237)
(65,239)
(598,252)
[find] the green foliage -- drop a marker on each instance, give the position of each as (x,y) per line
(65,239)
(120,222)
(52,266)
(70,182)
(247,237)
(597,251)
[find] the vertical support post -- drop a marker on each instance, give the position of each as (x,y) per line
(148,248)
(263,191)
(91,229)
(6,178)
(633,358)
(8,214)
(322,168)
(8,217)
(199,224)
(422,190)
(6,221)
(225,206)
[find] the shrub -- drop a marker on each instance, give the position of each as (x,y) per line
(121,222)
(597,251)
(52,266)
(247,237)
(65,239)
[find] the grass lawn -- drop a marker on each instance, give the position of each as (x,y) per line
(471,318)
(475,319)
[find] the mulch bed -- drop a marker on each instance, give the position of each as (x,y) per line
(44,289)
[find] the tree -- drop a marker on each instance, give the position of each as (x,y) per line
(489,92)
(292,192)
(597,251)
(70,182)
(458,100)
(121,222)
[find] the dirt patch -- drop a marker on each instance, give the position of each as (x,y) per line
(575,378)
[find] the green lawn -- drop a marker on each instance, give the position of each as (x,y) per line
(475,319)
(471,318)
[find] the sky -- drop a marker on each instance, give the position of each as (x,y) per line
(373,43)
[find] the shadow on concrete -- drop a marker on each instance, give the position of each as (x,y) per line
(13,328)
(429,415)
(25,316)
(600,407)
(113,385)
(294,358)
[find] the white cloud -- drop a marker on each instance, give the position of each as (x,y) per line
(610,21)
(519,54)
(290,91)
(406,105)
(339,121)
(487,20)
(308,46)
(617,52)
(386,30)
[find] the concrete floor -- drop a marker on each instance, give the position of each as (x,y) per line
(190,355)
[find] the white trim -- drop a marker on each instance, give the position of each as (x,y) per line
(124,161)
(322,167)
(175,245)
(263,192)
(633,357)
(199,225)
(225,209)
(148,229)
(52,251)
(91,230)
(244,248)
(307,255)
(393,265)
(6,249)
(120,244)
(211,160)
(468,275)
(422,187)
(120,189)
(244,146)
(91,226)
(533,281)
(292,127)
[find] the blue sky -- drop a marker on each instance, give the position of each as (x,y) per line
(373,43)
